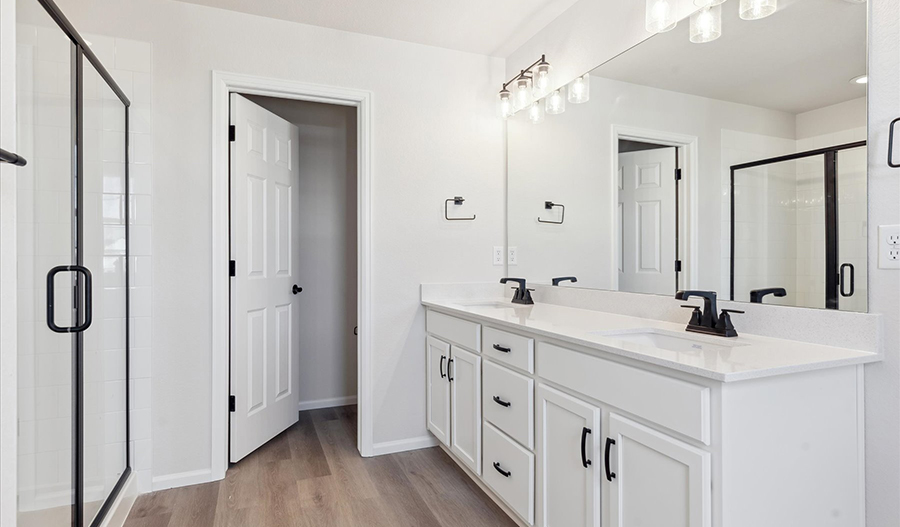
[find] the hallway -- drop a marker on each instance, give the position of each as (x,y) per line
(312,475)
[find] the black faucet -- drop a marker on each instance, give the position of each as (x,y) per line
(757,295)
(572,279)
(707,321)
(523,294)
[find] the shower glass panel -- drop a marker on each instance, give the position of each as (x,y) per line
(73,295)
(44,113)
(799,223)
(103,251)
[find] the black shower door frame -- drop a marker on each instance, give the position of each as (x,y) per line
(832,255)
(81,52)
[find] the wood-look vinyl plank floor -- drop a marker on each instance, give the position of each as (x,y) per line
(312,475)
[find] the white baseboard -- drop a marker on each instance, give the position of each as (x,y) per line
(120,508)
(327,403)
(182,479)
(404,445)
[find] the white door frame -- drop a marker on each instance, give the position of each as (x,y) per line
(690,170)
(222,84)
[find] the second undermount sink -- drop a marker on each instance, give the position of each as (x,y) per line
(671,340)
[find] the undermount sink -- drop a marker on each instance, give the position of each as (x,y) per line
(670,340)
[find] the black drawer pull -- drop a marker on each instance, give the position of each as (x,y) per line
(449,378)
(891,162)
(610,475)
(505,473)
(498,347)
(443,357)
(501,402)
(584,460)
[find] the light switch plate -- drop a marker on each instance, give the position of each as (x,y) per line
(513,256)
(889,247)
(498,255)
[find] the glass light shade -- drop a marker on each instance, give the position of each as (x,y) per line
(522,94)
(706,25)
(660,16)
(505,104)
(756,9)
(708,3)
(556,102)
(536,112)
(541,80)
(580,89)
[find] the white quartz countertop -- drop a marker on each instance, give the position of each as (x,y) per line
(718,358)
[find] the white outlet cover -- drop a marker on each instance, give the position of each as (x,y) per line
(513,256)
(889,247)
(498,255)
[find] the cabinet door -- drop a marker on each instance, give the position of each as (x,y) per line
(437,394)
(656,480)
(569,465)
(465,407)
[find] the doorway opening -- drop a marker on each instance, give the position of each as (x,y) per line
(654,208)
(291,224)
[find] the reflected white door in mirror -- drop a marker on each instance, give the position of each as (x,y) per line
(582,429)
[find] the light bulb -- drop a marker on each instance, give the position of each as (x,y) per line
(756,9)
(706,25)
(556,102)
(523,93)
(660,16)
(505,104)
(536,113)
(580,89)
(541,80)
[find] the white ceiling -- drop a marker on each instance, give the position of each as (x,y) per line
(798,59)
(488,27)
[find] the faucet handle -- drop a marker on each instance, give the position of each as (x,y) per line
(725,324)
(695,316)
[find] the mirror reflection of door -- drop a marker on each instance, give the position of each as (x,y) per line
(647,217)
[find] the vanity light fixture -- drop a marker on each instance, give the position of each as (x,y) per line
(706,24)
(756,9)
(580,89)
(536,112)
(660,16)
(528,86)
(556,102)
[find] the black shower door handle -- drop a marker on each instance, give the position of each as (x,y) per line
(88,301)
(891,144)
(852,279)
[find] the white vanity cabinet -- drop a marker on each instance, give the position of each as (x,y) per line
(575,436)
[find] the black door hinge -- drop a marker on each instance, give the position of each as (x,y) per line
(231,403)
(231,132)
(232,268)
(677,266)
(677,174)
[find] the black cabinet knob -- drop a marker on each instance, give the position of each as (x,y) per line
(296,289)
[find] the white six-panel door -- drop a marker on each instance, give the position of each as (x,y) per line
(437,395)
(646,219)
(265,247)
(658,479)
(568,491)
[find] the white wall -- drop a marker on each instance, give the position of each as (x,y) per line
(586,35)
(435,136)
(326,157)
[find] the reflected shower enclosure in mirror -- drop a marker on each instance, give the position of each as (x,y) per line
(737,165)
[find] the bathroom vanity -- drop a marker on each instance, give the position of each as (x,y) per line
(573,417)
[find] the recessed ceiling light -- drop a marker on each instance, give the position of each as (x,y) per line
(862,79)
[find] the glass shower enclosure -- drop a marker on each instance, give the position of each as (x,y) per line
(799,224)
(73,274)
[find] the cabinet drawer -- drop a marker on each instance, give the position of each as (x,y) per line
(520,352)
(515,484)
(455,330)
(508,402)
(675,404)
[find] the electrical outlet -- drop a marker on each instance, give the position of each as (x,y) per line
(889,247)
(498,255)
(512,257)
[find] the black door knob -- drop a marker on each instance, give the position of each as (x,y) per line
(296,289)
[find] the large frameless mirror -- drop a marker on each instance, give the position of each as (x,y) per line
(736,165)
